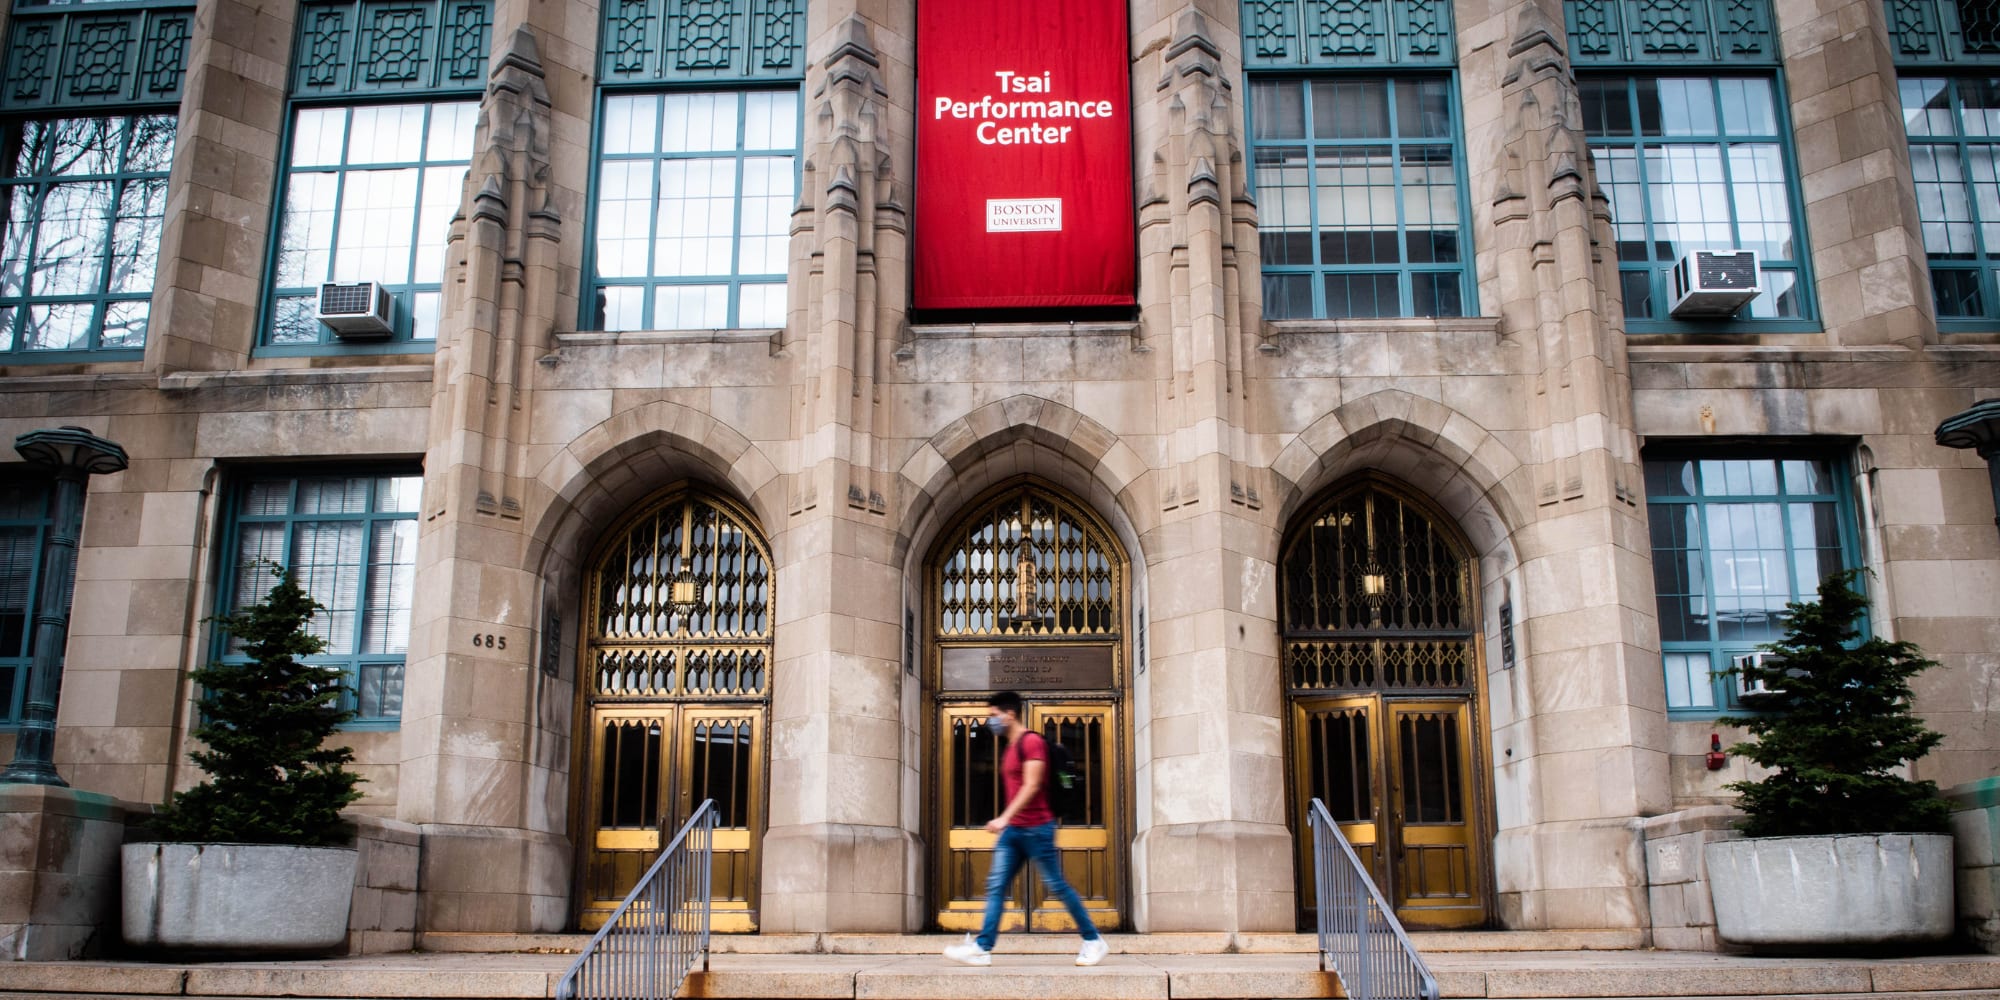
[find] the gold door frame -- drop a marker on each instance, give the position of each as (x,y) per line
(692,652)
(1369,676)
(1003,618)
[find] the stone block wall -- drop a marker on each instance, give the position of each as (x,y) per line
(1683,916)
(1975,828)
(59,872)
(384,915)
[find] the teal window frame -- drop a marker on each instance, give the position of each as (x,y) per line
(128,300)
(1404,270)
(1704,597)
(1937,213)
(406,291)
(23,538)
(235,569)
(593,312)
(1655,270)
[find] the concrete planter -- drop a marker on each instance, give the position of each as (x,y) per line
(237,897)
(1818,892)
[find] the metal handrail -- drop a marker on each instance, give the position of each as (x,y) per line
(1360,939)
(653,939)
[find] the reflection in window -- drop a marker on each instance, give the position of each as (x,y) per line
(693,214)
(369,196)
(351,542)
(1734,541)
(84,202)
(24,527)
(1695,164)
(1359,198)
(1953,126)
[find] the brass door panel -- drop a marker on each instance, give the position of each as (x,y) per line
(1438,844)
(1087,838)
(1395,775)
(722,758)
(625,801)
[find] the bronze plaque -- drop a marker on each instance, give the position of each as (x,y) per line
(1027,668)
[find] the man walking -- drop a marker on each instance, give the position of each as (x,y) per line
(1027,829)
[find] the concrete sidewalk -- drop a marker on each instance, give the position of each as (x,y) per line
(1017,974)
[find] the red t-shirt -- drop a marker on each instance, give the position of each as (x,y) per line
(1013,763)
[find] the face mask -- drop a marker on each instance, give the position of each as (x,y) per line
(996,724)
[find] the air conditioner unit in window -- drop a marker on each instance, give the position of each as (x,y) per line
(363,310)
(1751,692)
(1713,284)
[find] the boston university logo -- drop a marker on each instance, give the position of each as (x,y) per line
(1024,215)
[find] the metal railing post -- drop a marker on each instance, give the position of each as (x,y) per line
(1374,958)
(650,943)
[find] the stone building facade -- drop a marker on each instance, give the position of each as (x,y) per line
(1461,563)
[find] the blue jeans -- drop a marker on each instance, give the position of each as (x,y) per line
(1017,844)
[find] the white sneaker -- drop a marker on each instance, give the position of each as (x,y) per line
(1093,952)
(968,952)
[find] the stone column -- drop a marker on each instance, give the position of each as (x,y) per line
(1580,726)
(221,187)
(838,856)
(1214,854)
(481,773)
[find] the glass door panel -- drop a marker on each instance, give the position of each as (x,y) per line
(970,766)
(1336,742)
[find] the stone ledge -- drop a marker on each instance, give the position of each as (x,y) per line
(11,381)
(285,377)
(1074,328)
(1323,327)
(644,338)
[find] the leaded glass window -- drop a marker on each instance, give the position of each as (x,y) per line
(693,207)
(80,218)
(24,529)
(1734,540)
(1697,163)
(1953,125)
(369,195)
(1360,195)
(350,540)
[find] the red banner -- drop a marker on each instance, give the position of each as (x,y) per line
(1024,155)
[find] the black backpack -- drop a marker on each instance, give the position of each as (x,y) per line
(1063,786)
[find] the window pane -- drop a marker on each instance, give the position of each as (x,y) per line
(771,120)
(697,123)
(691,307)
(424,308)
(293,322)
(697,200)
(1361,295)
(451,131)
(150,148)
(387,134)
(1926,107)
(377,210)
(624,206)
(135,235)
(621,308)
(1278,109)
(765,244)
(1350,109)
(1762,200)
(1423,109)
(326,561)
(1435,293)
(1957,294)
(761,307)
(1981,101)
(444,188)
(1607,107)
(63,327)
(631,124)
(1689,684)
(1284,206)
(1748,107)
(392,570)
(305,254)
(1288,296)
(20,550)
(318,136)
(71,241)
(124,324)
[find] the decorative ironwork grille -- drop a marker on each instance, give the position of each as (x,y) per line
(350,47)
(1673,32)
(1030,564)
(1317,34)
(1944,32)
(90,57)
(653,41)
(683,606)
(1376,596)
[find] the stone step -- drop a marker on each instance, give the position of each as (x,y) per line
(1427,942)
(1015,974)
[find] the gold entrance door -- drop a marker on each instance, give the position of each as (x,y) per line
(654,766)
(1394,776)
(1086,838)
(675,682)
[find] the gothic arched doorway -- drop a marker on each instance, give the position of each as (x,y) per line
(1027,592)
(674,693)
(1380,623)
